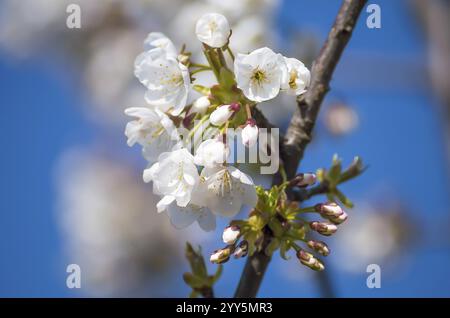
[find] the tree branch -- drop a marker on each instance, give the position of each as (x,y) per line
(300,128)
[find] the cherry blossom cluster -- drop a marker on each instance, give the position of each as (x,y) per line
(190,169)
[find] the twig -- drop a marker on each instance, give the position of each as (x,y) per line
(299,131)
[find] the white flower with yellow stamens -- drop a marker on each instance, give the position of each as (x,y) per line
(174,177)
(297,78)
(167,80)
(226,189)
(152,129)
(260,74)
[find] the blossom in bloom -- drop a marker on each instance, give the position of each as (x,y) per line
(231,234)
(200,105)
(213,29)
(297,78)
(211,153)
(153,130)
(174,177)
(226,189)
(219,116)
(159,40)
(260,74)
(181,217)
(167,80)
(250,133)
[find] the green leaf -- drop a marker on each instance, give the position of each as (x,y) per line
(226,78)
(218,273)
(196,260)
(284,248)
(272,247)
(193,281)
(335,171)
(345,201)
(276,227)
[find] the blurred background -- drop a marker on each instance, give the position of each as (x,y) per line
(71,190)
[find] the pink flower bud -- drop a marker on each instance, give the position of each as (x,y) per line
(319,246)
(324,228)
(329,209)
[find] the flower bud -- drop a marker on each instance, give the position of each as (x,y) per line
(309,260)
(319,246)
(329,209)
(250,133)
(200,105)
(339,219)
(324,228)
(241,250)
(219,116)
(303,180)
(183,58)
(213,29)
(231,234)
(221,255)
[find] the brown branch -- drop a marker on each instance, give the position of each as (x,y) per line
(299,131)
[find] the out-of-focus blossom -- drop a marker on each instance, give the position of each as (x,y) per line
(340,119)
(110,227)
(373,236)
(213,29)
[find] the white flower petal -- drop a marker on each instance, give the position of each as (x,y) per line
(213,29)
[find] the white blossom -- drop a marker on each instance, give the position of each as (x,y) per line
(231,234)
(159,40)
(213,29)
(211,153)
(297,77)
(220,116)
(153,129)
(260,74)
(226,189)
(167,80)
(250,133)
(181,217)
(174,177)
(200,105)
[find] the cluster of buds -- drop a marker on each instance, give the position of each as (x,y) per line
(309,260)
(230,236)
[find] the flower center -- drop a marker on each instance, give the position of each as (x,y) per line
(259,76)
(293,79)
